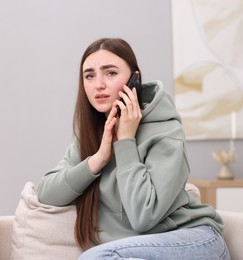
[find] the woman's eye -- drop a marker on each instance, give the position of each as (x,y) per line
(89,76)
(112,73)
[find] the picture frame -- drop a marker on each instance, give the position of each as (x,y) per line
(208,67)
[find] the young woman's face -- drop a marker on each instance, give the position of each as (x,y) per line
(104,75)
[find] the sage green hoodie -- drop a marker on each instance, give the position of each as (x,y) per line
(142,188)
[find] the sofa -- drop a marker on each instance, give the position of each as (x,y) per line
(43,232)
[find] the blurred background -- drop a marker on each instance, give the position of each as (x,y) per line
(41,46)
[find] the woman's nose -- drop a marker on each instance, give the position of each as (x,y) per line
(100,83)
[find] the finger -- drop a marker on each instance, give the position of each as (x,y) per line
(121,106)
(112,113)
(130,100)
(109,124)
(137,103)
(131,93)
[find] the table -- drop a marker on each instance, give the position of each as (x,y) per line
(216,192)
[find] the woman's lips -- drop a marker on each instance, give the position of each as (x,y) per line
(102,97)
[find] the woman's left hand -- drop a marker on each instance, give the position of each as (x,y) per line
(130,114)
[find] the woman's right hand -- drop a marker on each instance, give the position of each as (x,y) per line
(97,161)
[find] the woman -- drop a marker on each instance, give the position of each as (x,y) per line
(127,173)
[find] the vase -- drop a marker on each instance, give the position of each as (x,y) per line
(225,172)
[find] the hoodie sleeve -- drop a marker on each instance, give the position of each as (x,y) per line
(62,185)
(149,186)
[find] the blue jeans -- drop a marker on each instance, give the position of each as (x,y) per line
(202,242)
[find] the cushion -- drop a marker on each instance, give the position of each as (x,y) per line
(194,191)
(42,232)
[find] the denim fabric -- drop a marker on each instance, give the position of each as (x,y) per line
(202,242)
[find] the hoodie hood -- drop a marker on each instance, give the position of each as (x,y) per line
(158,104)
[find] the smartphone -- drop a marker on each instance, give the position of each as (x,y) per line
(134,82)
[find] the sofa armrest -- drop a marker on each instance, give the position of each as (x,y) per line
(233,232)
(6,223)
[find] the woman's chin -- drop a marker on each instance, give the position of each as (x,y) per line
(104,110)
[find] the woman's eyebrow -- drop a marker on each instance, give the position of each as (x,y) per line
(88,70)
(108,66)
(103,67)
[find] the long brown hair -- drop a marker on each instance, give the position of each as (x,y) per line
(88,126)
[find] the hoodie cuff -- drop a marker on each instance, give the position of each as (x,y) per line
(80,176)
(126,153)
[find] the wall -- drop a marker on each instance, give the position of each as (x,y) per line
(41,45)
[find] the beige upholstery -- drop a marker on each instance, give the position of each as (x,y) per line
(41,232)
(6,223)
(233,233)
